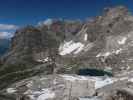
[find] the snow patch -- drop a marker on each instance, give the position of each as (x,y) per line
(122,41)
(11,90)
(79,49)
(43,94)
(128,67)
(106,54)
(46,94)
(130,80)
(85,37)
(44,60)
(69,47)
(99,83)
(118,51)
(130,59)
(123,78)
(47,22)
(73,78)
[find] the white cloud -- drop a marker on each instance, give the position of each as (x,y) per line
(5,35)
(7,30)
(46,22)
(8,27)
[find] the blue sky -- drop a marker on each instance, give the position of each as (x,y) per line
(23,12)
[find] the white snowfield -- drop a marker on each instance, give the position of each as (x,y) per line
(106,54)
(85,37)
(130,80)
(47,22)
(72,47)
(118,51)
(73,78)
(11,90)
(69,47)
(122,41)
(46,94)
(99,82)
(43,94)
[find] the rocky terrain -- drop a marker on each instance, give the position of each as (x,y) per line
(71,87)
(55,60)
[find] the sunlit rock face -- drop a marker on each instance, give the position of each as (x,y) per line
(105,41)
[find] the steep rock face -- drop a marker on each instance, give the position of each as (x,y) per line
(104,42)
(31,45)
(33,50)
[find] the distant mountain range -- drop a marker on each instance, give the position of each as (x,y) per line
(4,46)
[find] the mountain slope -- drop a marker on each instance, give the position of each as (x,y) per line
(104,42)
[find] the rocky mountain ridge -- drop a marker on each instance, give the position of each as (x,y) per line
(67,47)
(103,40)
